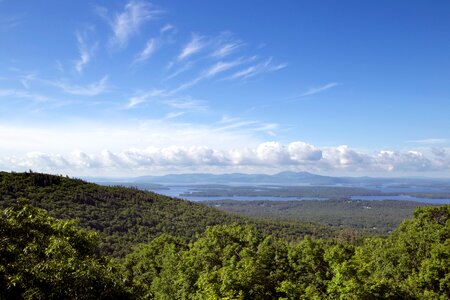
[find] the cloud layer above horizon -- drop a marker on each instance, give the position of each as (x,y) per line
(266,157)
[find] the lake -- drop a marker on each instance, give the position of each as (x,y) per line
(176,191)
(402,198)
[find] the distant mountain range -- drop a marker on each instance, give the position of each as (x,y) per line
(283,178)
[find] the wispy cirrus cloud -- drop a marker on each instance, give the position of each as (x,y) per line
(218,47)
(257,69)
(210,72)
(166,98)
(85,52)
(27,78)
(15,93)
(92,89)
(128,22)
(228,123)
(215,49)
(195,45)
(237,124)
(153,44)
(225,45)
(166,28)
(145,97)
(226,49)
(186,103)
(187,66)
(222,66)
(149,49)
(318,89)
(430,141)
(174,114)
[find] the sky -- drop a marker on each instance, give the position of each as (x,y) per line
(127,88)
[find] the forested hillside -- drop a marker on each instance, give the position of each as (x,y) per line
(127,216)
(45,258)
(372,217)
(235,262)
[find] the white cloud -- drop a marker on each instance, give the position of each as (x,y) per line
(237,124)
(342,157)
(166,28)
(85,52)
(210,72)
(186,103)
(269,156)
(180,70)
(85,56)
(319,89)
(439,152)
(43,160)
(218,47)
(301,151)
(27,78)
(272,153)
(128,22)
(144,97)
(220,67)
(227,123)
(226,119)
(195,45)
(149,49)
(93,89)
(226,49)
(153,44)
(167,98)
(188,84)
(14,93)
(431,141)
(117,135)
(403,161)
(260,68)
(174,114)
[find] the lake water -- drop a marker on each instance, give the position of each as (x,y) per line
(402,198)
(176,191)
(409,189)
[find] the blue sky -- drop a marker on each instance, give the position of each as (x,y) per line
(136,87)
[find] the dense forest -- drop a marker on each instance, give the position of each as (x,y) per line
(378,217)
(126,216)
(42,257)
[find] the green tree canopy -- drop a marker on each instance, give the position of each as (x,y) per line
(45,258)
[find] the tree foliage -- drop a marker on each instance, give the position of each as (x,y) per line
(124,217)
(236,262)
(44,258)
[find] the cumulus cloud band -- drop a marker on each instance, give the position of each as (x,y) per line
(274,156)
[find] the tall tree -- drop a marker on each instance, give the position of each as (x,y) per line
(44,258)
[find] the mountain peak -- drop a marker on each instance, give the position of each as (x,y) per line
(302,174)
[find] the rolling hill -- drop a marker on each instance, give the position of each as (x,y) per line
(126,216)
